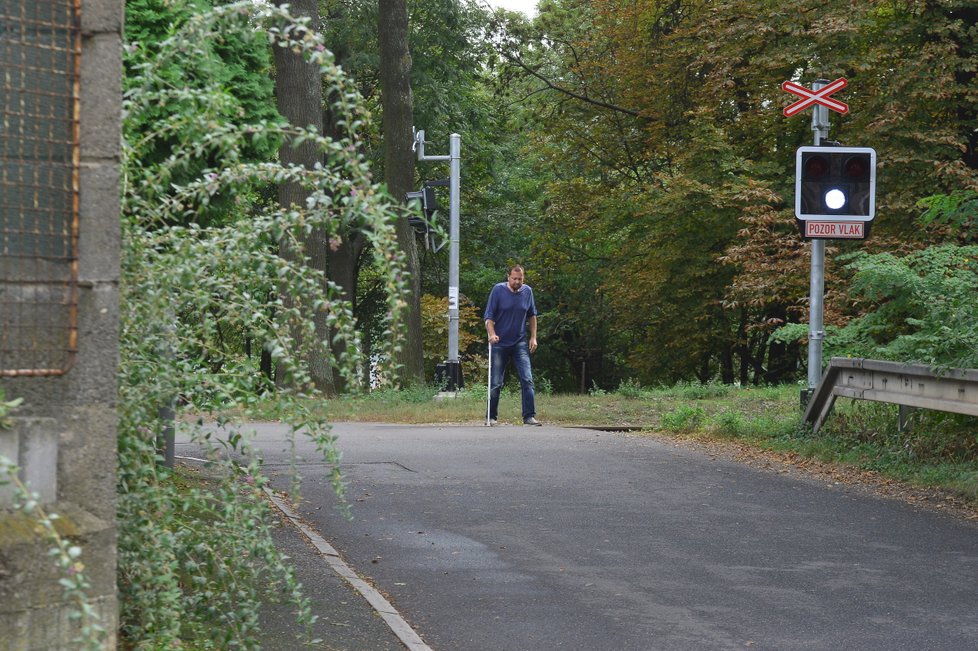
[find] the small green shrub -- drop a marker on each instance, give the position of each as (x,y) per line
(629,388)
(730,424)
(595,390)
(542,385)
(684,419)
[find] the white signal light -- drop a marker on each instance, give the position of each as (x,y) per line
(835,199)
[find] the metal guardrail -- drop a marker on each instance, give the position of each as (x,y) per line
(953,390)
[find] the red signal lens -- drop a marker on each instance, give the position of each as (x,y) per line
(816,167)
(857,167)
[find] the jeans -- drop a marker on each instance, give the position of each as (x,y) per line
(501,356)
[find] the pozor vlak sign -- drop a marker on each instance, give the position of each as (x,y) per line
(835,191)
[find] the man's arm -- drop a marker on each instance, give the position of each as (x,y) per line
(533,333)
(490,313)
(491,329)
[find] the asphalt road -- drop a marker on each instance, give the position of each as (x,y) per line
(530,539)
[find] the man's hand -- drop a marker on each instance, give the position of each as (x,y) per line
(493,339)
(533,344)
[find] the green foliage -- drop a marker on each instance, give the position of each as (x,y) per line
(542,384)
(730,424)
(629,388)
(194,565)
(753,427)
(6,407)
(958,210)
(236,67)
(668,234)
(921,308)
(685,418)
(472,351)
(202,563)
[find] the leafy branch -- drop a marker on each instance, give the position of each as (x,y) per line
(196,565)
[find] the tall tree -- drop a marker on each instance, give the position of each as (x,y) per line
(398,120)
(299,97)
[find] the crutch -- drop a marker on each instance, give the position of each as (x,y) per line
(489,387)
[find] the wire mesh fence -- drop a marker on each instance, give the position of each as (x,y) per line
(39,193)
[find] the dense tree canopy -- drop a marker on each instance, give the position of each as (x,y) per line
(668,242)
(633,155)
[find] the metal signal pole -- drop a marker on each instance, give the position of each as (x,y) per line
(452,367)
(816,329)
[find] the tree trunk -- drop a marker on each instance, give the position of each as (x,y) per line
(726,363)
(743,350)
(299,98)
(399,158)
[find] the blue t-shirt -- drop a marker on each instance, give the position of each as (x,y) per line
(508,311)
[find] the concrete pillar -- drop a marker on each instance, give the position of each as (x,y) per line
(64,435)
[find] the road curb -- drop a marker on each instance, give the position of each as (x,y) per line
(407,635)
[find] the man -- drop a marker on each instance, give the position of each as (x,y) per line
(509,310)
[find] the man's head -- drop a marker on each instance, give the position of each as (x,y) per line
(515,278)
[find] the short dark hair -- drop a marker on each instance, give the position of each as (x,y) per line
(515,267)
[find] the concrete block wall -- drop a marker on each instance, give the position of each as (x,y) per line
(64,435)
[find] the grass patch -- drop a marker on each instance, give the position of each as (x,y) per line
(684,418)
(685,407)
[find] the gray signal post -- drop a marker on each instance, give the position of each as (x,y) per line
(816,328)
(844,179)
(818,98)
(452,367)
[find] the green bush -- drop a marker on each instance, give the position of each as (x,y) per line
(730,423)
(920,307)
(684,419)
(542,385)
(629,388)
(196,563)
(925,308)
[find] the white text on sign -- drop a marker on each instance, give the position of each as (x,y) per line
(842,230)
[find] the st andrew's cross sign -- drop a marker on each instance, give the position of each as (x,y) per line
(810,97)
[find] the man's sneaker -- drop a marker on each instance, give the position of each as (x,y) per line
(493,422)
(532,421)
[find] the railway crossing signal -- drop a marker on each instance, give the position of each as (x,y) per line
(836,183)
